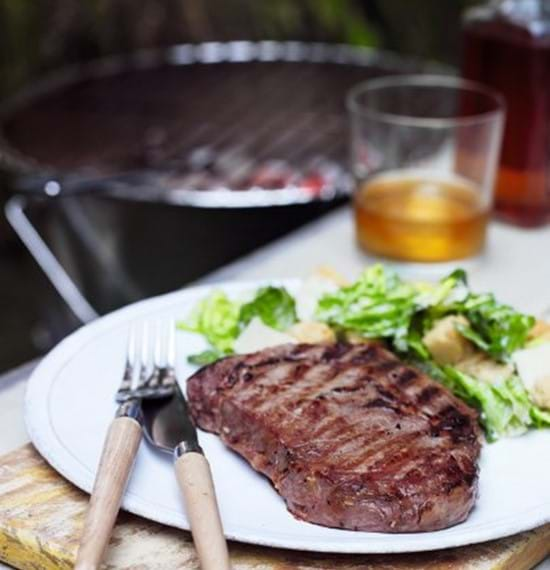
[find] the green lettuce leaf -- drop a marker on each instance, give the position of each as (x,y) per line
(217,318)
(443,297)
(378,305)
(273,305)
(505,409)
(541,418)
(220,320)
(381,305)
(205,357)
(495,328)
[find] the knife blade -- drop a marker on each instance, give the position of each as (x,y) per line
(168,424)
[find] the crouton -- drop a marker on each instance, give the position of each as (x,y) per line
(312,333)
(446,344)
(540,331)
(330,274)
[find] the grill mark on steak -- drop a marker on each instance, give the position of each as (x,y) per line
(339,376)
(404,376)
(380,403)
(427,395)
(336,351)
(349,436)
(389,457)
(381,450)
(453,422)
(300,371)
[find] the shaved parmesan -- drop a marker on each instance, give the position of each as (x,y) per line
(533,366)
(257,336)
(307,297)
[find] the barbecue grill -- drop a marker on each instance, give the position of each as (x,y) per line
(139,174)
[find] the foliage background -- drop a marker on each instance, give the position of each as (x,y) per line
(37,35)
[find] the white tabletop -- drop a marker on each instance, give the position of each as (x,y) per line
(516,266)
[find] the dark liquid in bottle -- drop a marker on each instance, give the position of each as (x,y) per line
(513,61)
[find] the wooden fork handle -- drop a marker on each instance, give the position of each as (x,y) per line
(195,481)
(117,459)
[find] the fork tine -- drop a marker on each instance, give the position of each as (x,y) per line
(144,356)
(129,365)
(168,379)
(171,344)
(150,369)
(153,379)
(158,359)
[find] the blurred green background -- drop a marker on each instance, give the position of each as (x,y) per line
(38,35)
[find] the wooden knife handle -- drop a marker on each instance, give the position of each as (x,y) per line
(195,481)
(117,459)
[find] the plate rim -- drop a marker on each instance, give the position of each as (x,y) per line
(366,543)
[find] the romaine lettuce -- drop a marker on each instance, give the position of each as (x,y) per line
(205,357)
(217,318)
(274,305)
(221,320)
(505,409)
(378,305)
(495,328)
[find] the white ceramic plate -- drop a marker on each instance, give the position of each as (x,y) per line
(69,405)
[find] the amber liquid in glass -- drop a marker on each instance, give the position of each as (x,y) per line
(418,217)
(509,59)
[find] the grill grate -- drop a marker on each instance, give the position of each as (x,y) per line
(202,124)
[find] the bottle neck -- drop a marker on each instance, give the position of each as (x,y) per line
(530,15)
(524,11)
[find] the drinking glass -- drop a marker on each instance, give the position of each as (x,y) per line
(425,152)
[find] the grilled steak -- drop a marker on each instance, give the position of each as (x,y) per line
(349,435)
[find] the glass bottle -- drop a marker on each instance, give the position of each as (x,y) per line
(506,45)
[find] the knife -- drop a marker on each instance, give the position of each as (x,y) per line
(168,426)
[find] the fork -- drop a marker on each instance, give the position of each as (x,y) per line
(120,447)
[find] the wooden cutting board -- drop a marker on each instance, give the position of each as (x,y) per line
(41,516)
